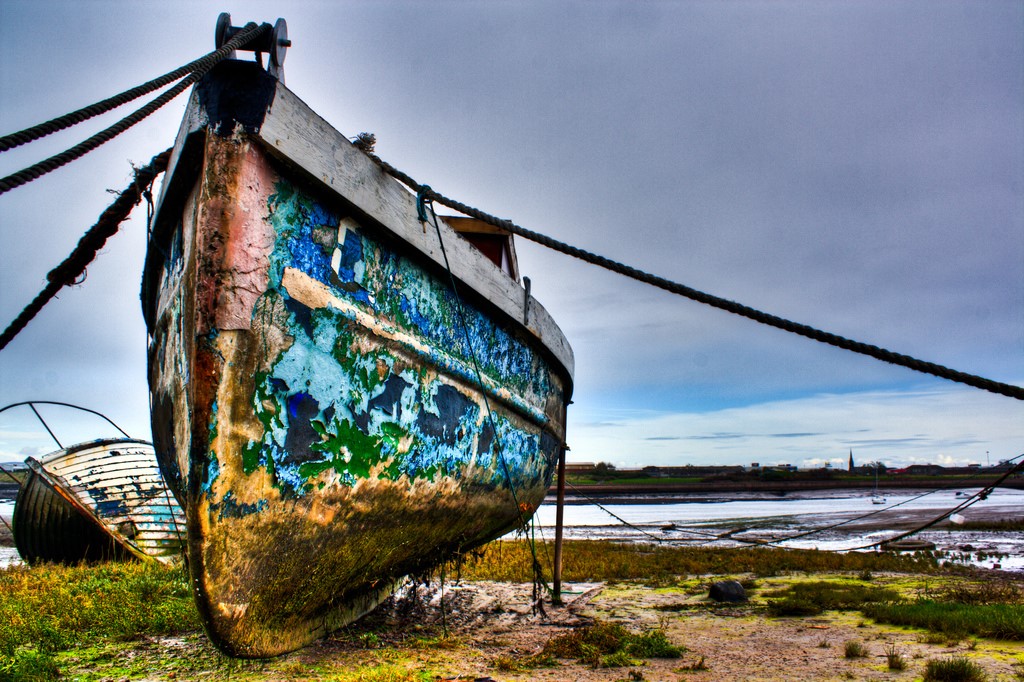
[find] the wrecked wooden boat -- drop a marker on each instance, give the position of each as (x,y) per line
(98,501)
(332,414)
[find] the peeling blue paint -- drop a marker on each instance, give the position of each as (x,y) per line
(228,507)
(339,399)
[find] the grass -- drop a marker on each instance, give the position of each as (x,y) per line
(954,669)
(511,561)
(998,525)
(610,645)
(48,609)
(854,649)
(894,659)
(387,672)
(986,592)
(54,617)
(992,608)
(955,621)
(813,598)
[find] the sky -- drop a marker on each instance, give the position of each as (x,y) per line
(855,166)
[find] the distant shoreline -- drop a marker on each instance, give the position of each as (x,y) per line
(783,487)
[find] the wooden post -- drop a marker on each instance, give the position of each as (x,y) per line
(556,598)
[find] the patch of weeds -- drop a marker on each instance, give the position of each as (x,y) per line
(998,621)
(812,598)
(56,607)
(894,658)
(444,642)
(608,645)
(695,667)
(590,560)
(653,644)
(854,649)
(794,607)
(369,640)
(616,659)
(30,665)
(516,664)
(384,673)
(954,669)
(509,664)
(824,644)
(987,592)
(932,638)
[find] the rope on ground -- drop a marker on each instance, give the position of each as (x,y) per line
(976,497)
(74,265)
(876,352)
(712,537)
(41,168)
(959,483)
(103,106)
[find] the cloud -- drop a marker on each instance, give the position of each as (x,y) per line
(950,425)
(853,166)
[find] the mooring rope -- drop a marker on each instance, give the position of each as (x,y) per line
(876,352)
(41,168)
(10,475)
(538,582)
(976,497)
(778,540)
(959,483)
(35,132)
(613,514)
(74,265)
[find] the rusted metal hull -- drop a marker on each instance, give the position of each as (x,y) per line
(332,415)
(97,501)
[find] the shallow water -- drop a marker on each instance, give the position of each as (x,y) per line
(697,519)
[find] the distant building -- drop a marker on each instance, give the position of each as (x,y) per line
(925,470)
(850,466)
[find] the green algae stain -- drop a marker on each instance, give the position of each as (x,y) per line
(316,405)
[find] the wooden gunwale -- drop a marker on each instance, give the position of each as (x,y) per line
(298,137)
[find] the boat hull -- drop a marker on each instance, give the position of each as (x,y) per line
(333,414)
(97,501)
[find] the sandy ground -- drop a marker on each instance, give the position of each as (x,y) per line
(491,627)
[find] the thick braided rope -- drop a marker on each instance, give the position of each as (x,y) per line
(106,226)
(84,114)
(876,352)
(37,170)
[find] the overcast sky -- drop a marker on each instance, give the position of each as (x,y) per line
(856,166)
